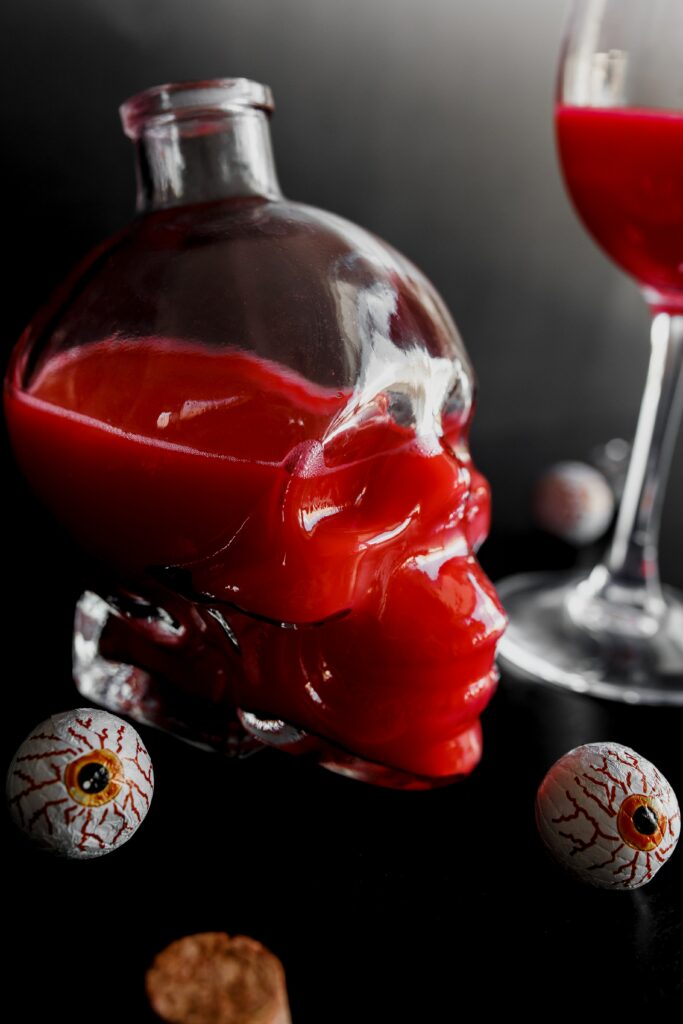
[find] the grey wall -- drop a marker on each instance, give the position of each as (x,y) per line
(430,123)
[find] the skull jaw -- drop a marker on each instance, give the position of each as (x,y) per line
(449,761)
(110,652)
(461,753)
(419,751)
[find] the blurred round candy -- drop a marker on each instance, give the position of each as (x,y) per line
(81,783)
(608,816)
(573,501)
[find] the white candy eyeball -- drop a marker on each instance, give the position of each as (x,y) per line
(81,783)
(573,501)
(608,816)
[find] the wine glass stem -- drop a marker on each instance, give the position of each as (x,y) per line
(623,594)
(633,555)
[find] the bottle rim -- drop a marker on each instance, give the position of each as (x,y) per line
(175,101)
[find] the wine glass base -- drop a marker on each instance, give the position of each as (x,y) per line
(542,643)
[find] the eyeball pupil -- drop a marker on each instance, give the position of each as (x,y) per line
(93,778)
(645,820)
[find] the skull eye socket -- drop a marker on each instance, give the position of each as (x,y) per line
(455,418)
(456,408)
(641,822)
(400,408)
(94,779)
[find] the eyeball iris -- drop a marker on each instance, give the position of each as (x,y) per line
(641,822)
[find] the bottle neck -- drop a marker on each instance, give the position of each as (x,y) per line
(198,160)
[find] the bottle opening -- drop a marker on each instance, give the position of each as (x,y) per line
(177,101)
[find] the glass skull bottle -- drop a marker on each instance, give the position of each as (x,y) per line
(254,418)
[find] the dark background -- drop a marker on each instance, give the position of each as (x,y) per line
(430,124)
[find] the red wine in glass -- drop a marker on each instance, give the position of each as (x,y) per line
(624,171)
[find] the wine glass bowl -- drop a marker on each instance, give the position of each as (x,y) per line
(617,632)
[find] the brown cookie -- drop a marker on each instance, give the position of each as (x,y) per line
(211,978)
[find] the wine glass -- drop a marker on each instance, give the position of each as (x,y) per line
(617,632)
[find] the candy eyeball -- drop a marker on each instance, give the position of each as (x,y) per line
(573,501)
(81,783)
(608,816)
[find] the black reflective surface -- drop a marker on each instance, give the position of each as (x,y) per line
(382,905)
